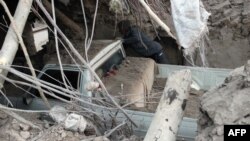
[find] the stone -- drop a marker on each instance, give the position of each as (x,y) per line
(46,124)
(24,127)
(15,125)
(231,98)
(25,134)
(58,113)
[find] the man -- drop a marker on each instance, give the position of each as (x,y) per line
(141,43)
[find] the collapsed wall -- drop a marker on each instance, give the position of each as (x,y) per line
(229,103)
(229,28)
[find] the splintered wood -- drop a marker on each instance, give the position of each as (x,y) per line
(171,108)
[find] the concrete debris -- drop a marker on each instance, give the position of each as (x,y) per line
(231,98)
(75,123)
(25,134)
(15,124)
(58,114)
(24,127)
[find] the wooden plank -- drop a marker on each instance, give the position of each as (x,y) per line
(10,45)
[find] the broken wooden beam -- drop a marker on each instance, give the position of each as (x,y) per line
(169,113)
(10,44)
(156,18)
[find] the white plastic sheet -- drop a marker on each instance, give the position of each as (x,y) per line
(190,20)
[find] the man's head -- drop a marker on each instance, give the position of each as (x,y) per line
(124,26)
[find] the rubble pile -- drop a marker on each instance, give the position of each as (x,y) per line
(59,124)
(12,129)
(229,27)
(229,103)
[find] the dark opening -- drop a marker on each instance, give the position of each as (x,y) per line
(55,77)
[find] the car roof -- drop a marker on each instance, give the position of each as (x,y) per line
(96,47)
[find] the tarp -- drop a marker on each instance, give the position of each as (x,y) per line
(190,21)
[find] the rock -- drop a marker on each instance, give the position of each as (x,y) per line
(75,122)
(46,124)
(25,134)
(24,127)
(15,125)
(231,98)
(58,114)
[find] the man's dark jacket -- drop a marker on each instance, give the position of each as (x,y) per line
(141,43)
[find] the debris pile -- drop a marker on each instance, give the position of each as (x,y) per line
(229,103)
(60,124)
